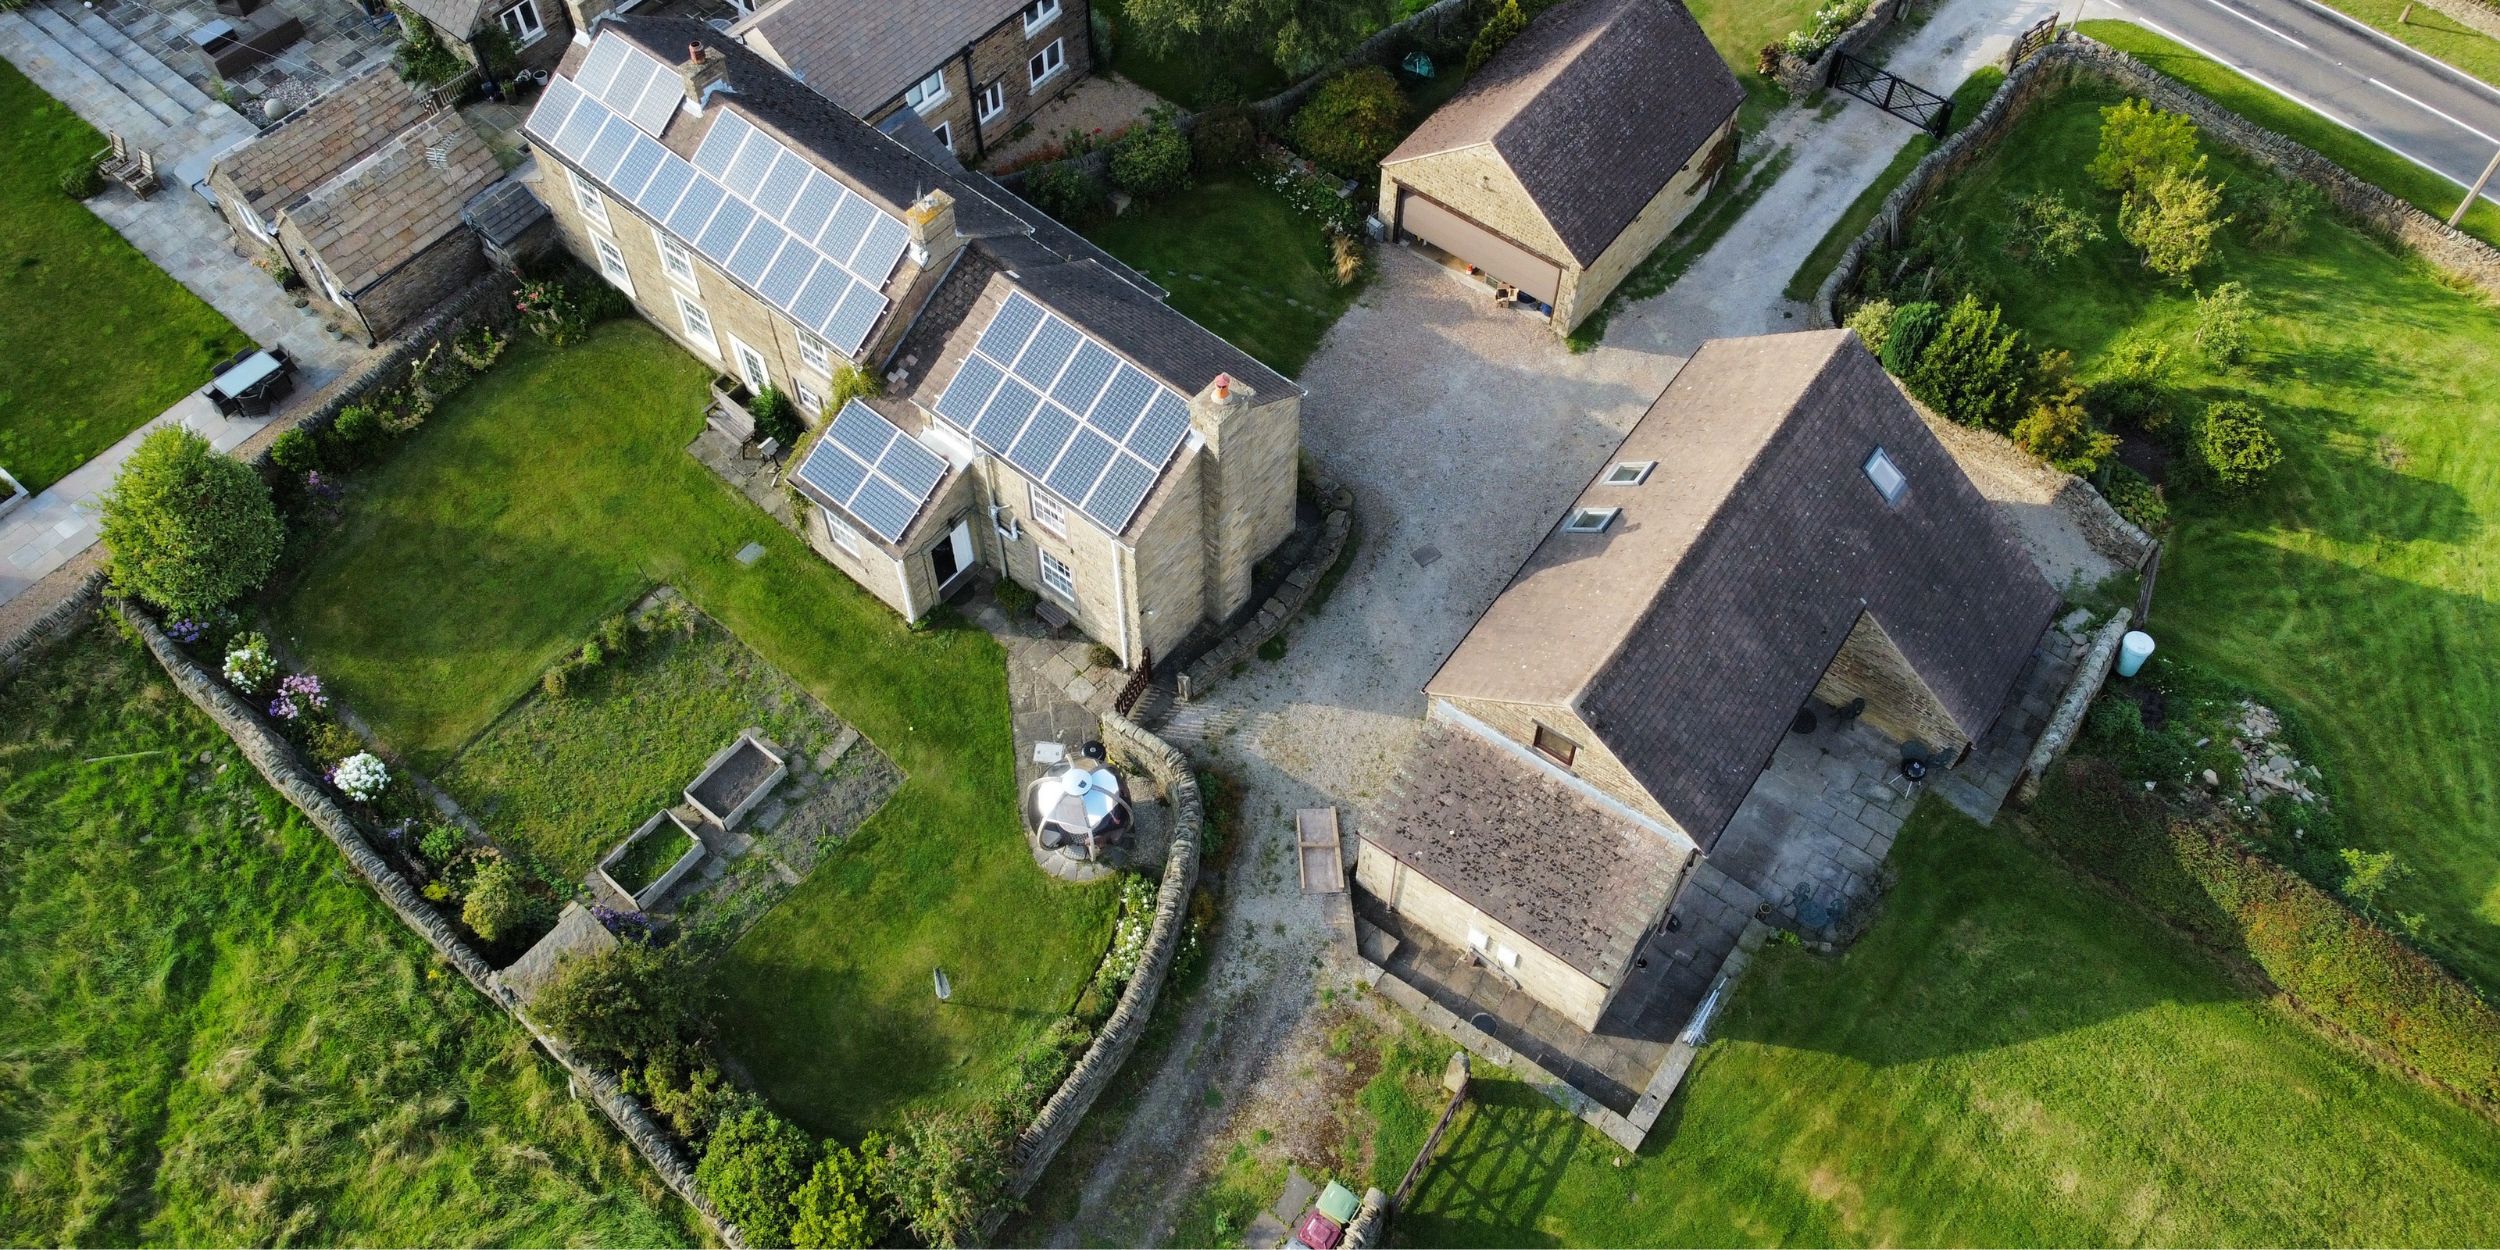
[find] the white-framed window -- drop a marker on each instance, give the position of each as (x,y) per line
(1630,472)
(992,100)
(674,259)
(698,324)
(1889,480)
(593,205)
(1058,578)
(521,22)
(841,532)
(929,92)
(1046,64)
(815,353)
(612,263)
(1046,512)
(1590,520)
(810,402)
(945,134)
(1039,14)
(752,368)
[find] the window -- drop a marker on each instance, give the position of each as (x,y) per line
(1630,472)
(945,135)
(1556,747)
(674,260)
(1047,513)
(815,354)
(698,325)
(593,205)
(1058,578)
(840,531)
(1047,63)
(993,100)
(1039,14)
(1887,476)
(521,22)
(612,263)
(810,402)
(1591,520)
(928,93)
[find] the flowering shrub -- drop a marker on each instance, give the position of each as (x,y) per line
(248,666)
(480,347)
(1128,939)
(1819,35)
(550,311)
(185,631)
(361,777)
(625,924)
(299,696)
(1310,191)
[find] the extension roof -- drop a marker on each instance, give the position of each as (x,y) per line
(1594,107)
(863,53)
(277,167)
(1689,632)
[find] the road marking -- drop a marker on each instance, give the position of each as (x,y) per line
(2425,106)
(2259,25)
(2405,51)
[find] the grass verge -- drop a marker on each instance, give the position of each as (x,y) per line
(1737,192)
(1967,101)
(2430,32)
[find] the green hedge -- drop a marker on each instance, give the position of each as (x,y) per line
(2329,960)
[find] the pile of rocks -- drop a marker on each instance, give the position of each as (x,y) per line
(2265,767)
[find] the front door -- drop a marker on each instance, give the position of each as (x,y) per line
(953,556)
(751,367)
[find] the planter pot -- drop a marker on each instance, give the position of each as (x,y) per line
(662,824)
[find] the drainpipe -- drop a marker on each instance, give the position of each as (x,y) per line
(972,96)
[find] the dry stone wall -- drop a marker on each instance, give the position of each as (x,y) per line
(2474,13)
(1802,78)
(1337,528)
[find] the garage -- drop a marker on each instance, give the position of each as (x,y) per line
(1423,218)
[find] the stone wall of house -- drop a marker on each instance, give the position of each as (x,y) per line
(1898,703)
(1803,78)
(1474,183)
(1168,565)
(1252,456)
(418,287)
(1337,529)
(1436,909)
(1003,56)
(1674,202)
(278,763)
(2085,686)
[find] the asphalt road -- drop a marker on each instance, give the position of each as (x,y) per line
(2433,115)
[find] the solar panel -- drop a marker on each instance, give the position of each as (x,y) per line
(747,260)
(728,226)
(1050,348)
(872,470)
(555,106)
(788,270)
(838,476)
(1122,488)
(781,185)
(1005,415)
(1084,377)
(688,218)
(851,321)
(817,297)
(842,234)
(912,467)
(660,93)
(574,139)
(861,433)
(1084,461)
(599,68)
(754,161)
(883,509)
(970,390)
(1122,401)
(814,206)
(882,247)
(642,159)
(1160,432)
(1043,438)
(720,144)
(667,185)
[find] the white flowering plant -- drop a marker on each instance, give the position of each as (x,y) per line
(361,777)
(248,666)
(1128,938)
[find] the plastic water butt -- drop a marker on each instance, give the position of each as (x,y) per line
(2133,651)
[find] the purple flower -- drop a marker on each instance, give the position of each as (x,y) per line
(322,488)
(625,924)
(185,631)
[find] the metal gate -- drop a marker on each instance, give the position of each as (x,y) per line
(1893,94)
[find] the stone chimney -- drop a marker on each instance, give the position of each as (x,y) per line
(931,220)
(703,70)
(586,13)
(1249,459)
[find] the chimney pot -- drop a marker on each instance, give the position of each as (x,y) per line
(1223,386)
(694,53)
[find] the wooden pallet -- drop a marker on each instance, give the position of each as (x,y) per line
(1320,850)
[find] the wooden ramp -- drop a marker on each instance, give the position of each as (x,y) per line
(1320,850)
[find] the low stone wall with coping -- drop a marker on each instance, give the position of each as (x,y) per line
(1336,529)
(1801,78)
(2089,677)
(2482,17)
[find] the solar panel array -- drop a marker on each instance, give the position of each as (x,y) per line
(806,243)
(1051,400)
(870,469)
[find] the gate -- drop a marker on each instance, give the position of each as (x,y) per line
(1891,93)
(2042,34)
(1139,678)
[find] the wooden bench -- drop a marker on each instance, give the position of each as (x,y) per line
(1320,850)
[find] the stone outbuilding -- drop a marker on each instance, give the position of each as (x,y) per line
(360,193)
(1571,155)
(1780,532)
(1044,414)
(538,30)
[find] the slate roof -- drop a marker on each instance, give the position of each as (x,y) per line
(309,147)
(1595,106)
(455,19)
(504,211)
(1568,875)
(382,211)
(1690,632)
(863,53)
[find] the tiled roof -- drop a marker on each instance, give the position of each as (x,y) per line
(310,147)
(454,19)
(1595,106)
(1692,629)
(502,212)
(1577,880)
(862,53)
(380,212)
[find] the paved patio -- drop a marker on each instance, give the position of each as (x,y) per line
(340,40)
(1099,104)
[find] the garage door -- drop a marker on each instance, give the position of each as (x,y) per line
(1531,273)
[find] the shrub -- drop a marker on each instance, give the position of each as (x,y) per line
(1974,371)
(330,740)
(1152,160)
(1500,27)
(2137,392)
(1913,327)
(2046,231)
(1873,323)
(551,310)
(1348,259)
(362,777)
(1067,193)
(2139,500)
(295,452)
(2222,319)
(500,902)
(2236,446)
(2140,143)
(2058,429)
(2172,222)
(442,843)
(946,1170)
(775,416)
(843,1202)
(752,1171)
(1224,140)
(188,530)
(1352,121)
(691,1093)
(618,1006)
(352,433)
(2274,212)
(422,57)
(83,180)
(852,382)
(1015,598)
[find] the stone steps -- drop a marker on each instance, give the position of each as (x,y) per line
(126,50)
(71,80)
(125,78)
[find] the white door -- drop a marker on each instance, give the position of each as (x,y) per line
(758,378)
(950,558)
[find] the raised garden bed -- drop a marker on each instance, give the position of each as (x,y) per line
(656,857)
(736,779)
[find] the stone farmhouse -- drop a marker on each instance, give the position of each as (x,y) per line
(1779,532)
(1045,414)
(1572,154)
(361,193)
(971,70)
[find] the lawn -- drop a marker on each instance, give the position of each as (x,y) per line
(2420,187)
(1968,99)
(97,338)
(2006,1058)
(1739,29)
(1241,261)
(2431,31)
(217,1035)
(555,491)
(2358,586)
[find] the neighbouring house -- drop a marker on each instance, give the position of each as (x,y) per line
(973,70)
(1045,414)
(1780,531)
(538,30)
(1572,154)
(360,194)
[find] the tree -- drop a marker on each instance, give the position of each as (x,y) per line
(2236,445)
(2059,431)
(1500,28)
(946,1170)
(1152,160)
(2222,319)
(1225,139)
(189,530)
(2046,231)
(1298,36)
(1913,327)
(2172,221)
(2139,143)
(500,903)
(1352,121)
(843,1203)
(752,1171)
(618,1006)
(1974,372)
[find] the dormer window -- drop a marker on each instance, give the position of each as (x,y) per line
(1886,476)
(1590,520)
(1629,472)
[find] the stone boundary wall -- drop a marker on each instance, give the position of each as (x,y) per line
(2086,685)
(1337,527)
(1803,78)
(2480,16)
(1041,1140)
(1988,455)
(52,609)
(278,763)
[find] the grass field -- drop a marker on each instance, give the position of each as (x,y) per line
(2418,186)
(555,491)
(2006,1058)
(1233,254)
(2426,29)
(97,338)
(217,1035)
(1967,101)
(2359,584)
